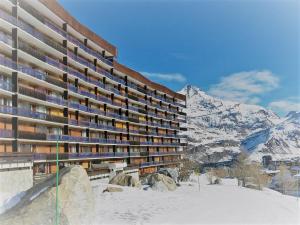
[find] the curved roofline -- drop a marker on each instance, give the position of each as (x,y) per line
(57,9)
(138,76)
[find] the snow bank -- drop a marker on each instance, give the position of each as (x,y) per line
(213,204)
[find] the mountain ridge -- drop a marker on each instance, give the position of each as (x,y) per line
(216,128)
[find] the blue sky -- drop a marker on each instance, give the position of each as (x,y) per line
(247,51)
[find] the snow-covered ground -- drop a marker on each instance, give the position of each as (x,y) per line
(213,204)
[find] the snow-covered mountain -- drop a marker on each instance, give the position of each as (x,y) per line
(217,127)
(282,141)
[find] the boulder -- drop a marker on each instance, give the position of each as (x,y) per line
(113,189)
(252,186)
(123,179)
(156,181)
(217,181)
(159,186)
(170,172)
(37,206)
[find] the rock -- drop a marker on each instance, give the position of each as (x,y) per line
(159,186)
(156,181)
(113,189)
(38,204)
(170,172)
(252,186)
(123,179)
(217,181)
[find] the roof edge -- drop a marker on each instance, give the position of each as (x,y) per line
(138,76)
(57,9)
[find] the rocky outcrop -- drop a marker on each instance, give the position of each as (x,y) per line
(123,179)
(170,172)
(160,182)
(39,203)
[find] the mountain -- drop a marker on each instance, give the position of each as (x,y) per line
(281,141)
(217,127)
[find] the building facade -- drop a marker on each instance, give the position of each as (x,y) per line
(62,87)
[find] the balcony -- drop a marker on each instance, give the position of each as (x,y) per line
(56,82)
(32,135)
(56,64)
(134,154)
(43,38)
(35,53)
(121,154)
(78,106)
(29,71)
(4,61)
(31,114)
(109,75)
(81,60)
(55,28)
(66,156)
(114,90)
(65,138)
(7,17)
(41,18)
(97,111)
(88,50)
(32,93)
(104,99)
(7,110)
(42,96)
(146,164)
(5,86)
(5,38)
(6,133)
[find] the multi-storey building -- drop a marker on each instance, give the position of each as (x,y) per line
(60,84)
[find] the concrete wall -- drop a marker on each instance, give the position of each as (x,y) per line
(14,181)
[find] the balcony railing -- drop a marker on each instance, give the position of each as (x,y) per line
(81,60)
(4,61)
(55,28)
(5,86)
(43,38)
(88,50)
(37,54)
(32,135)
(54,137)
(41,116)
(5,38)
(6,133)
(81,155)
(6,16)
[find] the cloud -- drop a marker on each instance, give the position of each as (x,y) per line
(283,106)
(245,86)
(177,77)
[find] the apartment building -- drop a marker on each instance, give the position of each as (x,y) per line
(61,86)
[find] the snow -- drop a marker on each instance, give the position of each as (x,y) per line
(215,125)
(213,204)
(281,141)
(8,202)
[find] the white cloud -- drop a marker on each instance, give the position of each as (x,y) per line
(245,86)
(177,77)
(283,106)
